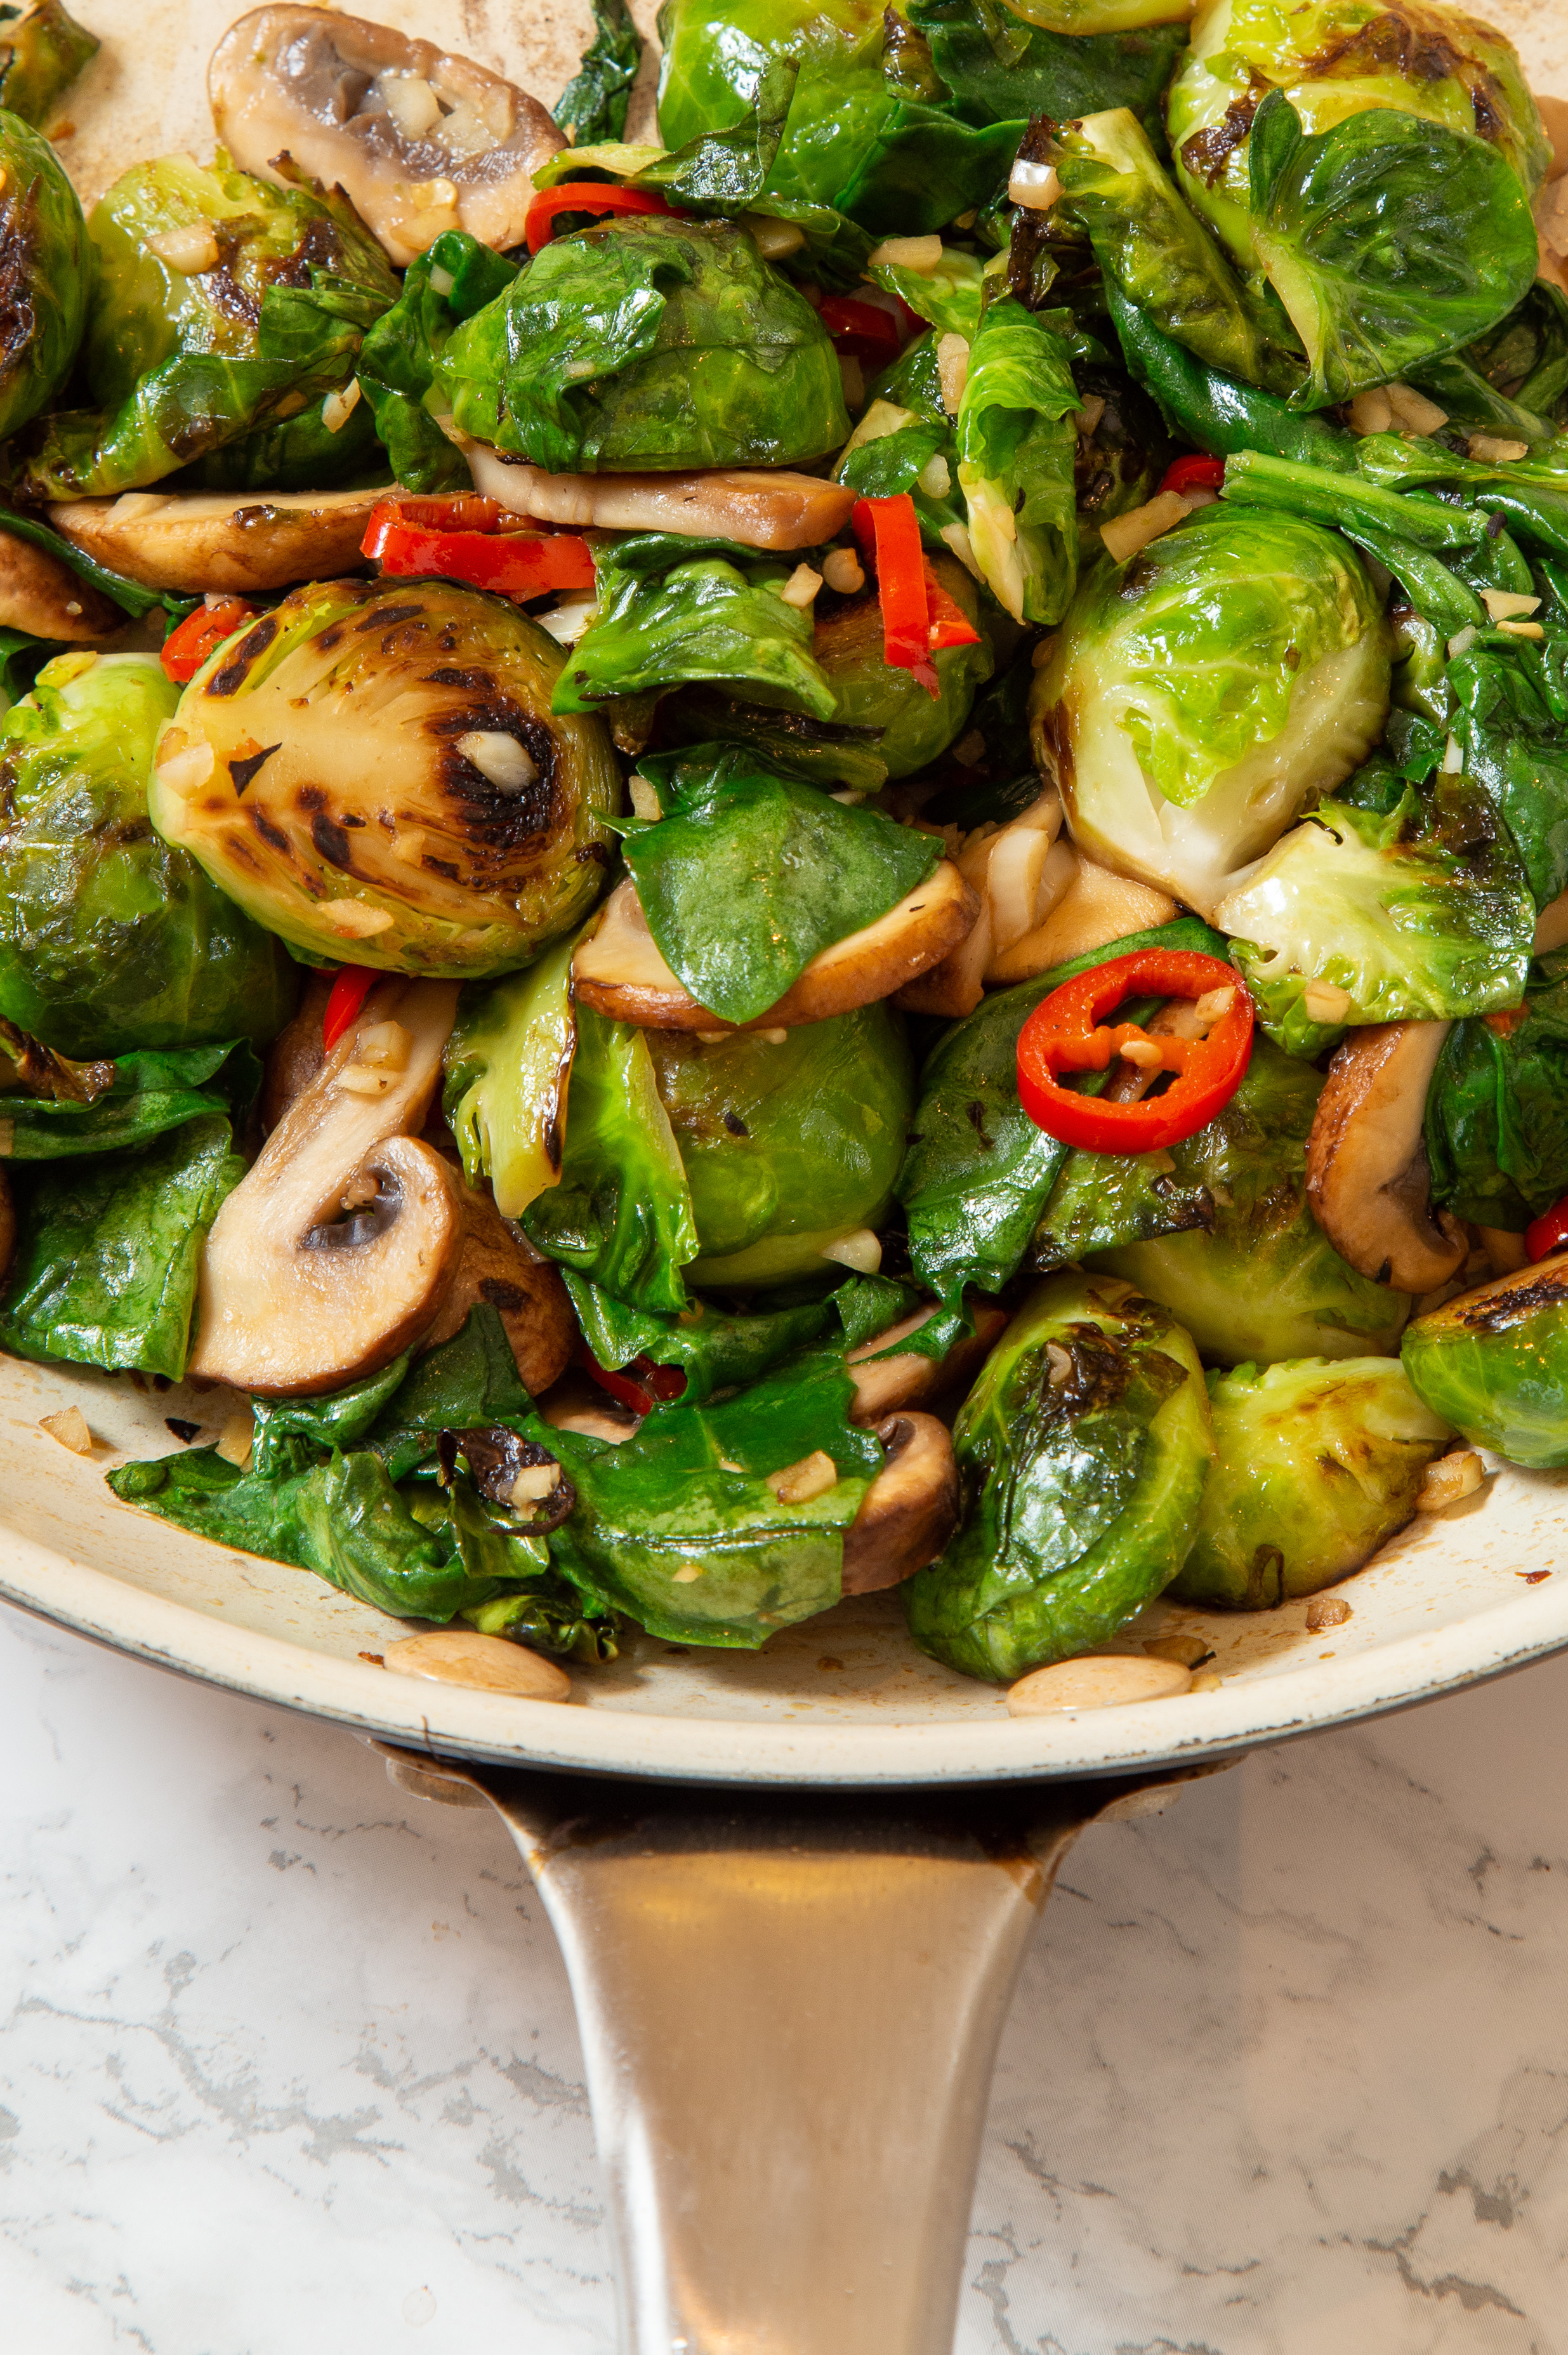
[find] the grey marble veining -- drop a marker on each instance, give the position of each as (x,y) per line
(288,2064)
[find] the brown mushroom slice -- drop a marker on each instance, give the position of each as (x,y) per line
(910,1511)
(1097,906)
(1551,925)
(296,1055)
(40,594)
(419,141)
(620,972)
(212,539)
(883,1385)
(496,1265)
(761,510)
(1366,1175)
(335,1250)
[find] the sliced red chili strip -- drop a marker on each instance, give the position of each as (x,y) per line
(888,532)
(1549,1233)
(199,634)
(586,196)
(949,625)
(1067,1032)
(350,988)
(641,1386)
(508,564)
(1194,473)
(464,511)
(860,330)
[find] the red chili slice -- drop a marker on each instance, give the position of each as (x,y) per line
(860,330)
(949,624)
(463,511)
(1067,1032)
(586,196)
(188,647)
(508,564)
(349,990)
(1195,473)
(888,532)
(1549,1233)
(641,1388)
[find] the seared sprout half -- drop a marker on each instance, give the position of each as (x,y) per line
(42,50)
(419,141)
(45,274)
(373,771)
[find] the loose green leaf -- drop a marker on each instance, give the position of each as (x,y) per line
(1016,442)
(996,68)
(506,1065)
(594,103)
(1497,1109)
(108,1252)
(152,1090)
(401,351)
(1203,405)
(748,876)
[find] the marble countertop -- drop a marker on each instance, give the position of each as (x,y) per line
(289,2066)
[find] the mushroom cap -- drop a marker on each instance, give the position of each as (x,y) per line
(910,1511)
(44,597)
(220,540)
(1367,1175)
(499,1266)
(297,1298)
(307,86)
(619,971)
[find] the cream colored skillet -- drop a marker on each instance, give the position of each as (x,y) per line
(792,1889)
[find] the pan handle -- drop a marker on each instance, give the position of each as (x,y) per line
(789,2006)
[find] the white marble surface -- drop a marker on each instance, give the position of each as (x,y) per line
(288,2064)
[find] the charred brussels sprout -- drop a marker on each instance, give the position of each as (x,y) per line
(109,939)
(1200,694)
(44,275)
(1316,1465)
(1494,1363)
(226,319)
(1082,1451)
(42,50)
(376,776)
(655,343)
(1333,59)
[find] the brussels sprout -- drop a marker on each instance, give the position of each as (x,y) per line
(1497,1111)
(1494,1363)
(654,344)
(47,270)
(1316,1465)
(1081,1451)
(373,773)
(912,726)
(1199,694)
(1335,58)
(1162,257)
(226,319)
(42,50)
(1218,1229)
(1420,915)
(506,1065)
(1389,241)
(1017,443)
(109,939)
(786,1147)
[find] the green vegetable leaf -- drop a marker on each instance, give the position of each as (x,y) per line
(697,616)
(398,357)
(108,1252)
(1207,407)
(594,103)
(1017,443)
(1389,239)
(996,68)
(1511,716)
(749,876)
(153,1089)
(1497,1111)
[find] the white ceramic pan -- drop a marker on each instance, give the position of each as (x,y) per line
(792,1889)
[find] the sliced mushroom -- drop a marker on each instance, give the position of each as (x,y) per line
(44,597)
(910,1511)
(498,1267)
(296,1055)
(1551,925)
(1366,1175)
(620,972)
(210,540)
(418,141)
(884,1384)
(761,510)
(335,1250)
(1021,871)
(1098,906)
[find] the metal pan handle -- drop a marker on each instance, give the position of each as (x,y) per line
(789,2007)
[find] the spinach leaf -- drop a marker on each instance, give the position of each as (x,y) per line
(978,1172)
(594,103)
(401,351)
(152,1090)
(1510,717)
(108,1255)
(748,876)
(1204,405)
(1497,1111)
(1389,239)
(997,67)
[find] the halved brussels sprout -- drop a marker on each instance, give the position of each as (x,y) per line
(375,773)
(1334,59)
(1199,694)
(1494,1363)
(1082,1451)
(47,275)
(109,939)
(1317,1464)
(42,50)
